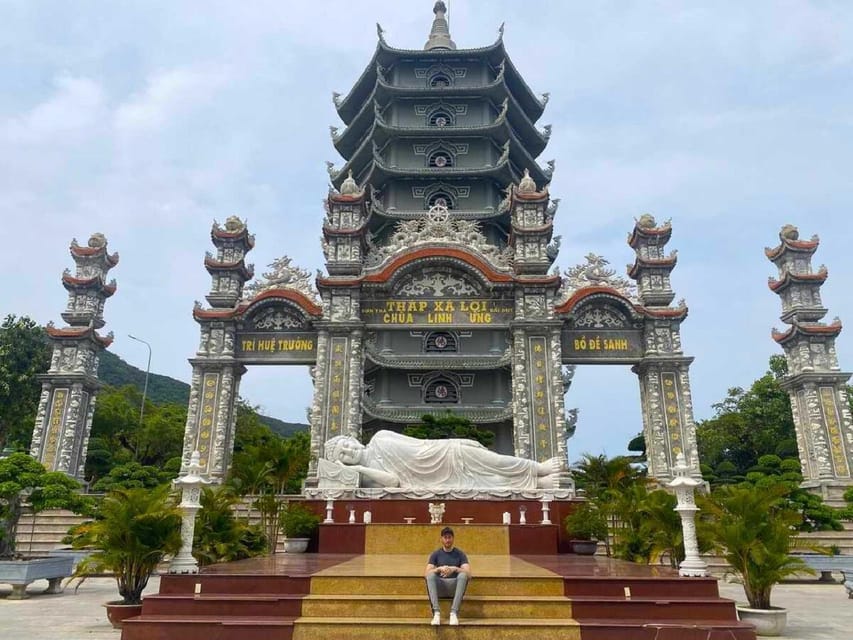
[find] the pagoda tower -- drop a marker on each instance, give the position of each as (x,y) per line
(441,199)
(70,386)
(815,383)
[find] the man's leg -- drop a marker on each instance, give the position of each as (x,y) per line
(461,585)
(432,591)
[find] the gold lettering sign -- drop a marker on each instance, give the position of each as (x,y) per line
(618,345)
(457,311)
(55,423)
(540,397)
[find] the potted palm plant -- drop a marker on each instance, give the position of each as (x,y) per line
(585,526)
(133,531)
(754,529)
(298,523)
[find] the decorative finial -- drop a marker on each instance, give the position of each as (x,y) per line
(527,185)
(97,240)
(349,186)
(439,35)
(789,232)
(646,221)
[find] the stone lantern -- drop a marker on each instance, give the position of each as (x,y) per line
(684,486)
(190,485)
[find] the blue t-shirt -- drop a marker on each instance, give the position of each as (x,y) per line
(453,558)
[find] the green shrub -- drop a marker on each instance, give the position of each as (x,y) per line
(297,521)
(586,522)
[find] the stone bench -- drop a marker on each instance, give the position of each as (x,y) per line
(20,573)
(827,564)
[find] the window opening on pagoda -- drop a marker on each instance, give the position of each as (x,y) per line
(441,390)
(440,159)
(440,199)
(441,342)
(439,80)
(440,118)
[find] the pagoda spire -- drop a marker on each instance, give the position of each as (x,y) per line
(439,35)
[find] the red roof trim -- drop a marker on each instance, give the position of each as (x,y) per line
(788,278)
(796,245)
(586,292)
(88,252)
(432,252)
(302,301)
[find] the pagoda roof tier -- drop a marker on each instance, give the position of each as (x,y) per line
(79,333)
(235,230)
(646,229)
(77,319)
(667,263)
(789,238)
(802,329)
(386,56)
(506,170)
(86,284)
(444,361)
(788,278)
(412,214)
(215,266)
(409,414)
(96,251)
(509,113)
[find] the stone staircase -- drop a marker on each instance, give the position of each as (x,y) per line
(380,594)
(39,535)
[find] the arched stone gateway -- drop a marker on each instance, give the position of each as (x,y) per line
(439,291)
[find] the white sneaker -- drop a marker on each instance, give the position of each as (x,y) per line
(436,619)
(454,621)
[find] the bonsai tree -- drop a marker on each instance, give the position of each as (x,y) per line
(298,521)
(586,522)
(133,530)
(25,480)
(754,528)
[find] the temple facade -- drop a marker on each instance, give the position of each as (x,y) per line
(815,383)
(69,388)
(440,291)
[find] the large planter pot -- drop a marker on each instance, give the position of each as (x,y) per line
(584,547)
(118,613)
(768,622)
(296,545)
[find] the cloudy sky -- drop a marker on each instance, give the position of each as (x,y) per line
(148,120)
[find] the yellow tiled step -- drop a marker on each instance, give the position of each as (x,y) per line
(420,629)
(423,539)
(407,586)
(491,606)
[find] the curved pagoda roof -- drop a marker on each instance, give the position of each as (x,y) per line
(371,124)
(385,56)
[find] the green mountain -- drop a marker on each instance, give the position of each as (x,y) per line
(165,390)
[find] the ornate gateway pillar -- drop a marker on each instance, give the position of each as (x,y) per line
(668,425)
(216,373)
(815,383)
(67,404)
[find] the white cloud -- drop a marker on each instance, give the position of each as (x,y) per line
(77,103)
(167,96)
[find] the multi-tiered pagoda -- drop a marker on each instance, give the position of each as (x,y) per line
(815,382)
(439,292)
(67,404)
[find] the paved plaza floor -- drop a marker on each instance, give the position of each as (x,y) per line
(816,611)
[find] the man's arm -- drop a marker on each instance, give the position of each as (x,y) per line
(431,568)
(464,568)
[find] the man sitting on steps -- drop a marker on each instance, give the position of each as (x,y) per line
(447,576)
